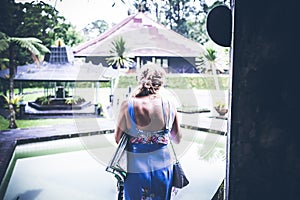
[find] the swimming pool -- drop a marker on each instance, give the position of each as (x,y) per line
(71,169)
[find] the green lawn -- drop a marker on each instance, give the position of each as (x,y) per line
(30,94)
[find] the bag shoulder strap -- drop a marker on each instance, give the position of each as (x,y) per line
(171,113)
(167,126)
(176,159)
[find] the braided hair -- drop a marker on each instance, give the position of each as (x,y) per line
(150,79)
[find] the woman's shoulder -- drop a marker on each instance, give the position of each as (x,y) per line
(124,104)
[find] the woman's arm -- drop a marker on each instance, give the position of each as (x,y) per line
(176,134)
(121,125)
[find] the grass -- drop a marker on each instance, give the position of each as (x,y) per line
(31,94)
(23,123)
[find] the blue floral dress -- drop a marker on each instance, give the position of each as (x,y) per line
(149,170)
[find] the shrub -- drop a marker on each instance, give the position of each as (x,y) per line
(44,100)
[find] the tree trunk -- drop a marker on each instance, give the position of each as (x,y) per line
(215,76)
(12,113)
(12,117)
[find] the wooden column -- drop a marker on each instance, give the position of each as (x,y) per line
(264,160)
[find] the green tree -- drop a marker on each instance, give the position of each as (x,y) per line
(172,13)
(95,28)
(197,30)
(44,22)
(186,17)
(142,5)
(197,27)
(36,19)
(65,32)
(10,44)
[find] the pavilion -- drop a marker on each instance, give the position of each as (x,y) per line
(60,73)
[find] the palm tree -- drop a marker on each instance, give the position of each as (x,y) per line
(209,61)
(118,58)
(34,46)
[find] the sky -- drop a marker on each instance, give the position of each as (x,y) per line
(82,12)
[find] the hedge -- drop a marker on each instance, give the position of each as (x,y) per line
(181,82)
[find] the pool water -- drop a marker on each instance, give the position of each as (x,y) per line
(67,169)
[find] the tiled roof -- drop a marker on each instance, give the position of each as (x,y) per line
(60,55)
(143,37)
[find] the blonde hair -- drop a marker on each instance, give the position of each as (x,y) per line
(150,79)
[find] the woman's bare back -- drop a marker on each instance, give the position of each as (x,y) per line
(148,113)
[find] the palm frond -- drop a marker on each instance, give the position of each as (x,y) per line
(3,42)
(33,45)
(42,48)
(118,58)
(3,45)
(210,55)
(6,98)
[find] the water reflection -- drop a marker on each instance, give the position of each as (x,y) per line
(214,151)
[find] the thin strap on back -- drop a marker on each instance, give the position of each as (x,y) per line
(131,113)
(166,119)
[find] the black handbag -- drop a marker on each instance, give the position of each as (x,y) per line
(179,178)
(118,164)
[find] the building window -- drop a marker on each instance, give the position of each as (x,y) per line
(162,62)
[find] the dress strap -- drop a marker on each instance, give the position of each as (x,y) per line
(168,121)
(131,114)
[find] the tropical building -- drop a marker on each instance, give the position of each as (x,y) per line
(145,40)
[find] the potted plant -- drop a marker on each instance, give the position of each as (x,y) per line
(118,58)
(221,108)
